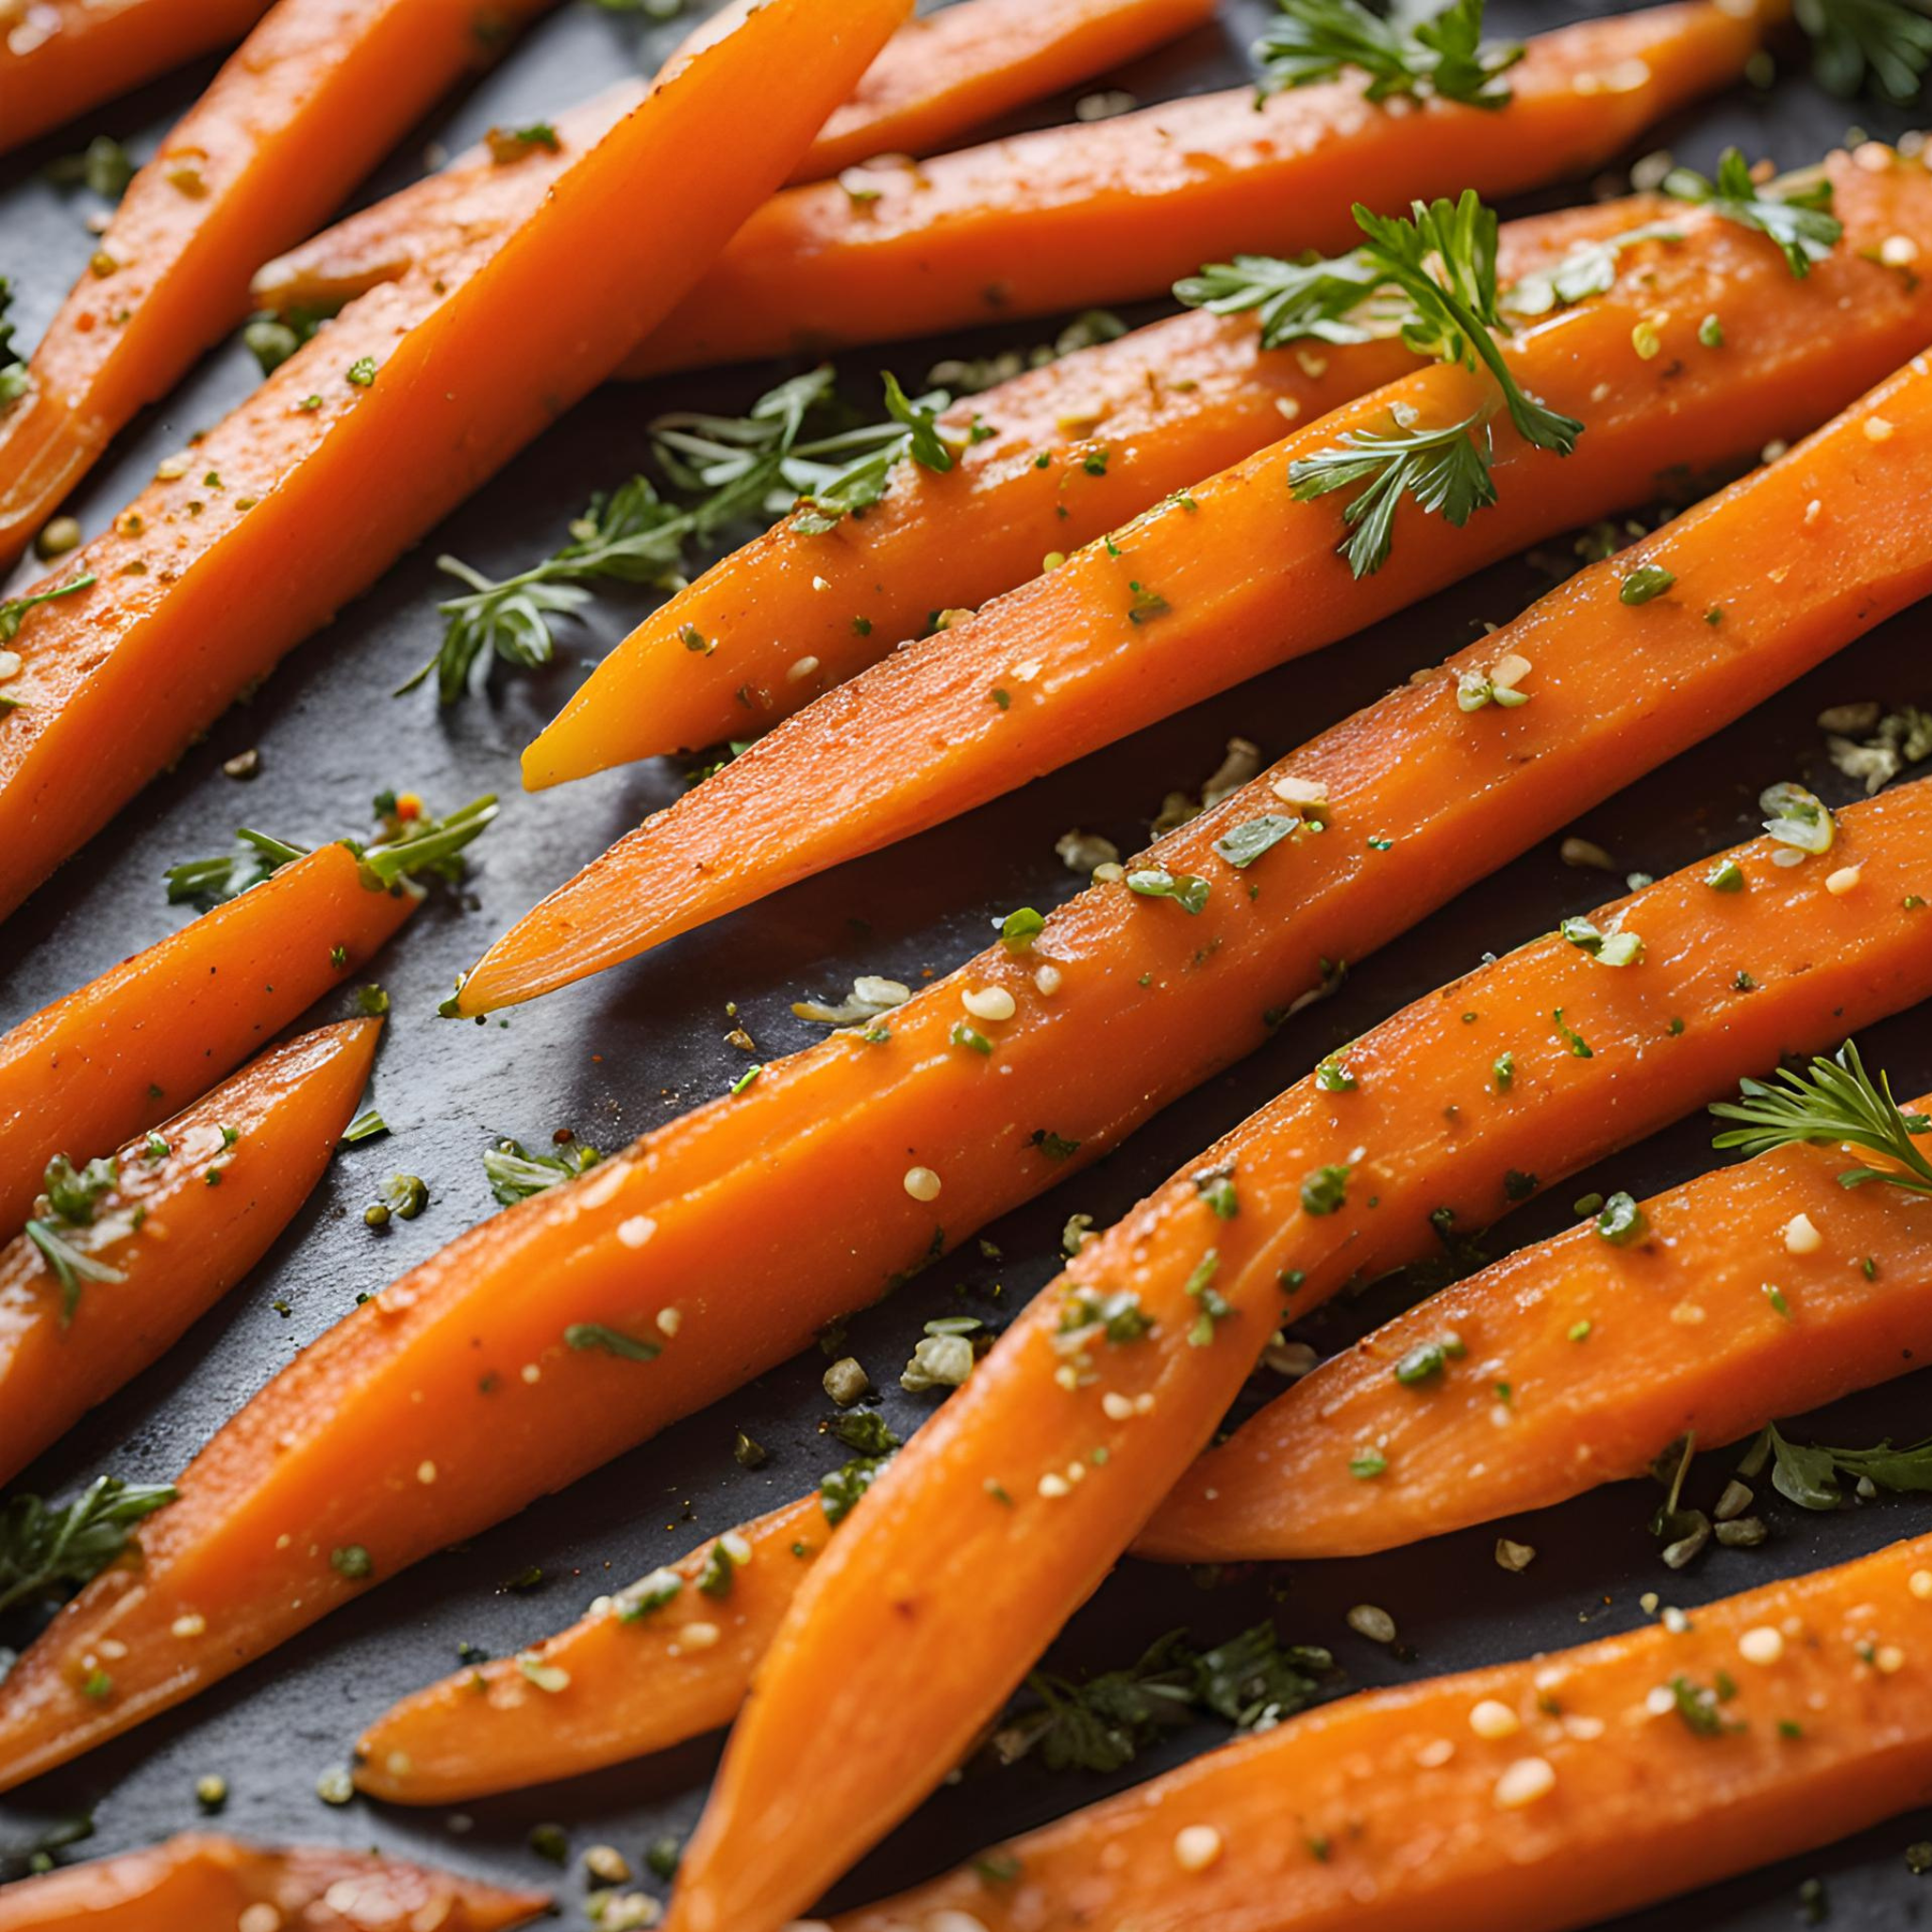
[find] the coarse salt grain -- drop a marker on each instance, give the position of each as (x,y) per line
(635,1232)
(1047,978)
(1761,1645)
(1843,880)
(1196,1847)
(1801,1236)
(921,1184)
(989,1002)
(1523,1783)
(1492,1719)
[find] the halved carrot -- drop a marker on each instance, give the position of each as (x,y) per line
(630,1678)
(997,1520)
(310,103)
(140,1042)
(937,77)
(1558,1791)
(707,1238)
(793,613)
(1236,575)
(66,56)
(201,1880)
(388,418)
(191,1209)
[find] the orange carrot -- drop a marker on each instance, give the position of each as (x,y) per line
(312,101)
(1554,1792)
(1023,1491)
(200,1881)
(1168,404)
(68,55)
(627,1679)
(937,78)
(138,1044)
(90,1298)
(709,1237)
(388,418)
(1223,580)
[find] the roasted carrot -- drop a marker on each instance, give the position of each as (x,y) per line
(1120,1006)
(389,417)
(998,1519)
(1168,404)
(629,1678)
(1549,1793)
(1222,580)
(203,1881)
(937,78)
(59,58)
(311,101)
(138,1044)
(151,1239)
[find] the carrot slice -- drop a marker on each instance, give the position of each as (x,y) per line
(311,102)
(1553,1793)
(1466,789)
(630,1678)
(204,1880)
(138,1044)
(937,78)
(1023,1491)
(1121,1005)
(793,613)
(1235,574)
(191,1209)
(68,55)
(1108,211)
(398,410)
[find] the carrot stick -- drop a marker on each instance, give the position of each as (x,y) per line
(937,77)
(1023,1491)
(1559,1792)
(1720,1316)
(202,1880)
(1169,404)
(189,1210)
(1084,214)
(140,1042)
(1121,1005)
(311,102)
(628,1678)
(360,442)
(69,56)
(1236,575)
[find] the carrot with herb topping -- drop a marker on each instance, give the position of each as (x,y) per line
(399,409)
(204,1880)
(1225,580)
(1023,1489)
(123,1252)
(1553,1793)
(310,103)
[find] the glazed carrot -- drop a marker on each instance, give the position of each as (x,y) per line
(66,56)
(310,103)
(711,1225)
(1018,1496)
(1169,404)
(203,1881)
(360,442)
(1555,1793)
(937,77)
(1219,583)
(186,1212)
(138,1044)
(623,1681)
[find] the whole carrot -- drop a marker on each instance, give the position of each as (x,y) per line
(1541,1795)
(1231,576)
(384,421)
(128,1251)
(1022,1492)
(311,101)
(200,1881)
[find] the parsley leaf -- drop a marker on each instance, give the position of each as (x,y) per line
(514,1173)
(1885,42)
(1811,1477)
(1799,221)
(43,1547)
(1443,55)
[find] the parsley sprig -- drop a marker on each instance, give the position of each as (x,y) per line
(515,1173)
(1834,1102)
(1884,43)
(43,1548)
(13,611)
(1810,1477)
(72,1195)
(1443,56)
(1799,219)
